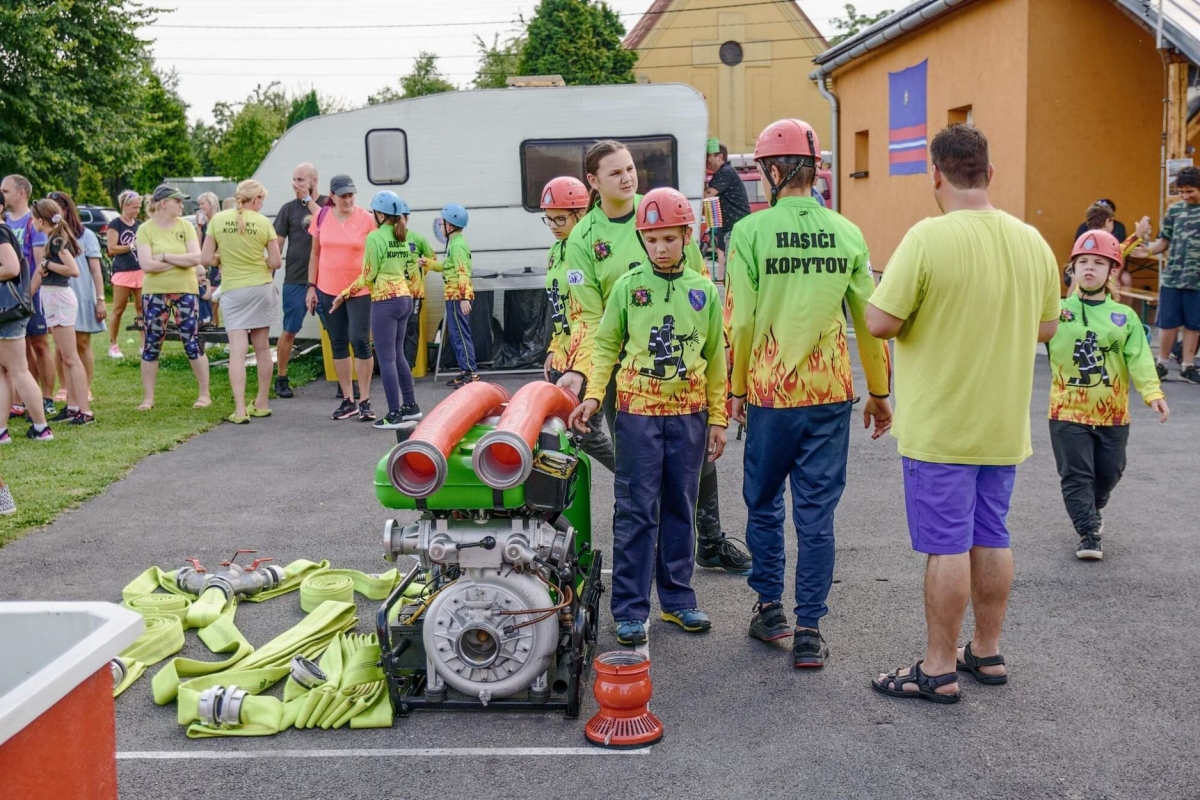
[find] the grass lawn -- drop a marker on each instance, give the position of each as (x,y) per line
(47,478)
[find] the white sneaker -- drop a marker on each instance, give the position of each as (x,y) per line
(115,352)
(7,506)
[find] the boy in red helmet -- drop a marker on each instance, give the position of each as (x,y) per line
(1100,346)
(790,269)
(663,323)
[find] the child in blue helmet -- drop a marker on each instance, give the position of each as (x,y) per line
(388,262)
(456,273)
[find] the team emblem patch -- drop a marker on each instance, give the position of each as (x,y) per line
(602,250)
(640,297)
(1090,244)
(697,297)
(652,216)
(412,247)
(547,199)
(1067,315)
(1118,319)
(574,277)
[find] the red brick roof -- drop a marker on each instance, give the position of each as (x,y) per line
(646,24)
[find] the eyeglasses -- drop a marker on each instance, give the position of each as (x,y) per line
(554,222)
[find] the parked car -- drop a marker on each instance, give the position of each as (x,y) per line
(96,219)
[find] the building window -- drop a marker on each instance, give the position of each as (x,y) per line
(862,154)
(387,156)
(962,114)
(542,159)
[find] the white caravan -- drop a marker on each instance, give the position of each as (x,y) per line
(492,151)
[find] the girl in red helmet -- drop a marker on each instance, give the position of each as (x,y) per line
(564,202)
(1099,348)
(603,247)
(662,332)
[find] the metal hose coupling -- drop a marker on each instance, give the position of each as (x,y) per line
(417,468)
(221,706)
(502,459)
(306,673)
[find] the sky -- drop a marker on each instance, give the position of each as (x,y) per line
(348,49)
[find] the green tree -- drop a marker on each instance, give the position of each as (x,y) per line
(855,23)
(247,130)
(424,79)
(204,139)
(90,189)
(166,150)
(304,107)
(579,40)
(71,87)
(497,62)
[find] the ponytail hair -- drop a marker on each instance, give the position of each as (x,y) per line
(591,165)
(50,212)
(69,213)
(247,192)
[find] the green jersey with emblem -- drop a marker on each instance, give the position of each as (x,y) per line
(1182,229)
(666,331)
(420,247)
(387,262)
(1098,348)
(566,332)
(789,270)
(599,251)
(456,269)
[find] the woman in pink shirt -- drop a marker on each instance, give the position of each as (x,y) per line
(339,237)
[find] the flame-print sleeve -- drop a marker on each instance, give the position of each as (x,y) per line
(586,294)
(714,355)
(741,277)
(606,344)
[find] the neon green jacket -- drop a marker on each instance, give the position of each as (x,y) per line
(669,330)
(789,270)
(456,269)
(386,265)
(419,245)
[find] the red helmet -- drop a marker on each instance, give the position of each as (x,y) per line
(1098,243)
(788,137)
(664,208)
(565,192)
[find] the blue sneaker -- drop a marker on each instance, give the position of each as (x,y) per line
(631,633)
(692,620)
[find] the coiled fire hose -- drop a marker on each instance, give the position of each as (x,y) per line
(341,584)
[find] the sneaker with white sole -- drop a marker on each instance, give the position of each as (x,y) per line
(1089,548)
(44,435)
(346,410)
(410,412)
(7,504)
(391,422)
(115,352)
(5,438)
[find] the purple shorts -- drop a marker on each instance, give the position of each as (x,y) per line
(954,507)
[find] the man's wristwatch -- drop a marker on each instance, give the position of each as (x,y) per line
(307,200)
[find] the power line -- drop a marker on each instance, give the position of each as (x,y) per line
(408,26)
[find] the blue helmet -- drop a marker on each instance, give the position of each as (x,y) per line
(455,214)
(387,202)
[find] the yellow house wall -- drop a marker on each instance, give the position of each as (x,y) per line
(977,57)
(1095,117)
(771,83)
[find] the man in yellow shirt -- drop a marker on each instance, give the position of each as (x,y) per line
(967,296)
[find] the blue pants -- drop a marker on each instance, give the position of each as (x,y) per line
(389,324)
(655,485)
(458,328)
(809,445)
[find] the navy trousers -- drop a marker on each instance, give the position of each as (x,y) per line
(458,328)
(656,482)
(809,446)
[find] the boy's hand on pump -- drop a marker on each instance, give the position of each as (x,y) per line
(716,442)
(1160,407)
(582,413)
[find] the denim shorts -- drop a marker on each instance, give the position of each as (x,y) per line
(295,306)
(954,507)
(14,329)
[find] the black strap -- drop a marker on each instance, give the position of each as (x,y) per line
(497,499)
(421,504)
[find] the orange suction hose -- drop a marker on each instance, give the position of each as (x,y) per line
(503,457)
(418,466)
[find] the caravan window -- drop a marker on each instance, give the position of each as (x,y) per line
(387,156)
(544,159)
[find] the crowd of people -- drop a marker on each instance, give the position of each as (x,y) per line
(640,333)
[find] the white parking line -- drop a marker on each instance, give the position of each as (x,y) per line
(468,752)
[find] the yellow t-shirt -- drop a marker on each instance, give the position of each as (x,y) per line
(172,241)
(972,287)
(243,262)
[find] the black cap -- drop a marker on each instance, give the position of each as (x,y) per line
(342,185)
(165,192)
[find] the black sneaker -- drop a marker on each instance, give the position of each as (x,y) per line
(769,622)
(48,405)
(365,414)
(341,395)
(347,409)
(1089,548)
(1161,369)
(44,435)
(410,412)
(65,415)
(463,378)
(282,389)
(391,422)
(83,418)
(809,650)
(724,553)
(1191,375)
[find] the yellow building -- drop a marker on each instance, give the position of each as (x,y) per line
(1069,92)
(749,60)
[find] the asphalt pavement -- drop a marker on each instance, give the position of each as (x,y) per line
(1101,701)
